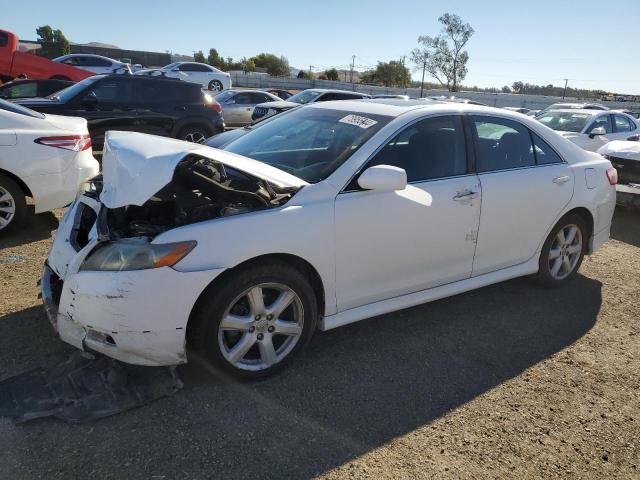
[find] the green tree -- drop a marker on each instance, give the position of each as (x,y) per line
(277,66)
(248,65)
(517,87)
(305,74)
(332,74)
(199,57)
(214,59)
(443,56)
(506,89)
(391,74)
(53,43)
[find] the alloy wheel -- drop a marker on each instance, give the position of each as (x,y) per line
(7,207)
(195,137)
(565,251)
(261,326)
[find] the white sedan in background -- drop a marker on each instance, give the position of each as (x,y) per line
(209,77)
(319,217)
(94,63)
(45,157)
(591,129)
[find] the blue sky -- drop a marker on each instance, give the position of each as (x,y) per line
(592,43)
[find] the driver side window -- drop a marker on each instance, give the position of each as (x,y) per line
(428,149)
(602,121)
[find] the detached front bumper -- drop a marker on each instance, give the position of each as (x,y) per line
(137,317)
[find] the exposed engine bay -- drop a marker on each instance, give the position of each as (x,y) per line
(201,189)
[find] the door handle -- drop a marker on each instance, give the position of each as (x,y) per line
(562,179)
(465,195)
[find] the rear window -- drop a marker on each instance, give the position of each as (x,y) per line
(19,109)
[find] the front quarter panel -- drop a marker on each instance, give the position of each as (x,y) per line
(303,228)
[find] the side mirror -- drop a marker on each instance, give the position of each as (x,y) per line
(383,177)
(597,131)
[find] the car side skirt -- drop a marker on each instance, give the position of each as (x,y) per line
(412,299)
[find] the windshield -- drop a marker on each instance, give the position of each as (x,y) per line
(224,96)
(564,121)
(68,93)
(170,66)
(304,97)
(19,109)
(310,143)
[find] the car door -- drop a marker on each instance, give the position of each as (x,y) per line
(624,128)
(107,105)
(236,108)
(593,142)
(525,186)
(394,243)
(157,103)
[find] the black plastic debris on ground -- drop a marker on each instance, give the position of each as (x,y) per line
(82,389)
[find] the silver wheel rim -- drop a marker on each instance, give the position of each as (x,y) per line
(215,86)
(7,207)
(195,137)
(261,326)
(565,252)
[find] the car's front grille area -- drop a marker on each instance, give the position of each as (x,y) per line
(628,170)
(83,222)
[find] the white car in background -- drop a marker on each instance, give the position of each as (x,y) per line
(625,158)
(591,129)
(45,157)
(94,63)
(321,216)
(209,77)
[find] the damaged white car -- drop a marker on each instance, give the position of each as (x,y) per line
(322,216)
(625,158)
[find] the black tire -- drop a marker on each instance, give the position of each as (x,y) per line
(544,275)
(216,86)
(204,328)
(17,200)
(194,133)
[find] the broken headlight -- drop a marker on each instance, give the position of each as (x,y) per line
(136,255)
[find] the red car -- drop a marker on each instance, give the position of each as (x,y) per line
(14,63)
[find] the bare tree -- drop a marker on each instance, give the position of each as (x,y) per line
(443,56)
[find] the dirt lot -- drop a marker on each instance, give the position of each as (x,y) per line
(509,381)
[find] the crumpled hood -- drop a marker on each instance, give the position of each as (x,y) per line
(135,166)
(278,105)
(621,149)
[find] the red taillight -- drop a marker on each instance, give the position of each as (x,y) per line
(216,106)
(75,143)
(612,176)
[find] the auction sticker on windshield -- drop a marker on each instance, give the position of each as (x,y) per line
(358,121)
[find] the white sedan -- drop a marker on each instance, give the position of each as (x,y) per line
(45,157)
(591,129)
(94,63)
(209,77)
(322,216)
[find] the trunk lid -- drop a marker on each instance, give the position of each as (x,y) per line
(69,124)
(135,166)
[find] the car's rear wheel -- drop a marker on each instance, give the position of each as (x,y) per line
(255,322)
(216,86)
(194,133)
(563,251)
(13,206)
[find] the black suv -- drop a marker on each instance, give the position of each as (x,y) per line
(160,106)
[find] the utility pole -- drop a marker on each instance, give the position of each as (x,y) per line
(310,71)
(566,81)
(353,64)
(424,67)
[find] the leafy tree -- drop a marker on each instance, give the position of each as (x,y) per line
(517,87)
(53,43)
(391,74)
(332,74)
(506,89)
(248,65)
(305,74)
(214,59)
(199,57)
(443,56)
(277,66)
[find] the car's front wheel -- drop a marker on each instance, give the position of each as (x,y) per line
(563,251)
(194,133)
(13,206)
(216,86)
(255,322)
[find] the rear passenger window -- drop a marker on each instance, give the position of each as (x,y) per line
(428,149)
(622,123)
(544,154)
(502,144)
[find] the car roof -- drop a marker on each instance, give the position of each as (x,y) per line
(89,55)
(586,111)
(333,90)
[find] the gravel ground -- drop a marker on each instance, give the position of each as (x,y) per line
(510,381)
